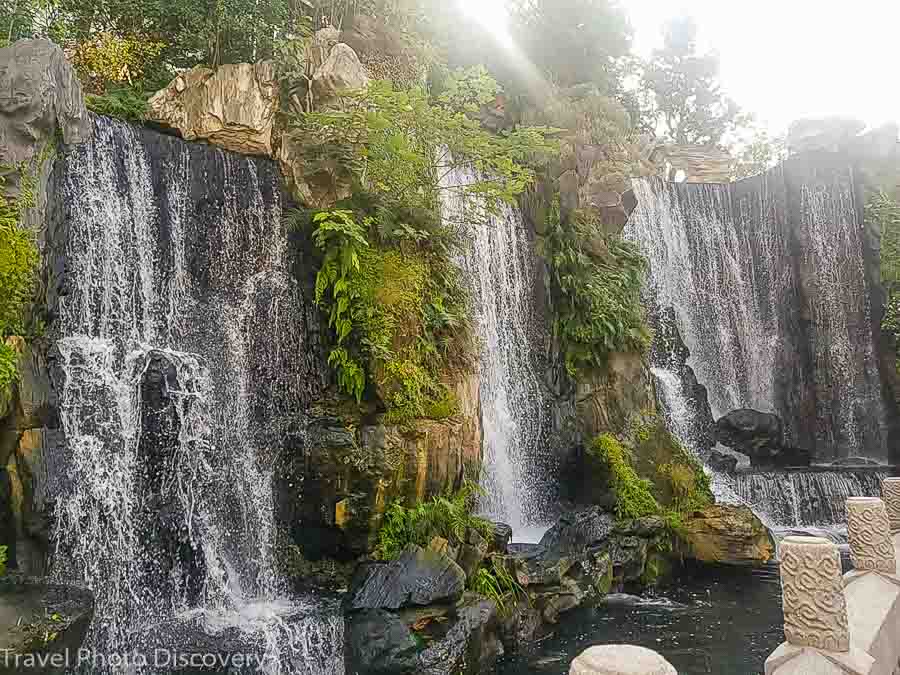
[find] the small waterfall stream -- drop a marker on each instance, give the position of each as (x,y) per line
(498,262)
(181,364)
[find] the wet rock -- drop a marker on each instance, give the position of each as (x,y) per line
(520,626)
(553,601)
(31,610)
(628,555)
(728,460)
(535,565)
(502,537)
(723,533)
(379,643)
(578,530)
(759,436)
(418,577)
(472,553)
(470,646)
(233,106)
(649,526)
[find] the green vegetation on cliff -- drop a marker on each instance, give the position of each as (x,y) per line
(595,283)
(449,517)
(18,259)
(883,211)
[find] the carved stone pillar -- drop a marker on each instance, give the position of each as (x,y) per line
(620,660)
(868,527)
(815,612)
(890,492)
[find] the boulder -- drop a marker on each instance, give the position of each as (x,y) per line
(418,577)
(340,74)
(501,539)
(578,530)
(728,460)
(377,642)
(39,94)
(760,436)
(470,646)
(233,107)
(521,625)
(729,534)
(472,552)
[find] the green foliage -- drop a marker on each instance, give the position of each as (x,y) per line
(595,284)
(759,155)
(468,90)
(125,104)
(686,96)
(634,496)
(498,584)
(2,560)
(447,516)
(883,211)
(18,260)
(8,370)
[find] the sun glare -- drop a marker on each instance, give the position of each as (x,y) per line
(491,14)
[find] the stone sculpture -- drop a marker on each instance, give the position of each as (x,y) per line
(815,611)
(890,490)
(869,530)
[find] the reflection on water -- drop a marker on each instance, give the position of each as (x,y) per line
(724,621)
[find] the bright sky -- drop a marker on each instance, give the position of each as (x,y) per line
(787,59)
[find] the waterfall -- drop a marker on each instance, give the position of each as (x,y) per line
(498,263)
(768,281)
(181,363)
(802,499)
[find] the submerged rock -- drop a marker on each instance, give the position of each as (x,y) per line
(418,577)
(724,533)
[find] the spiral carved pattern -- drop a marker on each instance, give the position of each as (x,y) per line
(815,612)
(890,491)
(869,530)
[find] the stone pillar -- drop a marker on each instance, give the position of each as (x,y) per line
(869,530)
(620,660)
(815,612)
(890,492)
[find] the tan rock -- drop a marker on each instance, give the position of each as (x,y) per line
(607,400)
(724,533)
(620,660)
(233,107)
(341,74)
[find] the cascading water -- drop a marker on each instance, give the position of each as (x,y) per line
(768,282)
(181,364)
(498,263)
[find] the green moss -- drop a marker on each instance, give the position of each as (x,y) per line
(883,211)
(634,497)
(2,560)
(657,569)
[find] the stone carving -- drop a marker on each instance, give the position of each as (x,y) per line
(815,611)
(869,530)
(620,660)
(890,490)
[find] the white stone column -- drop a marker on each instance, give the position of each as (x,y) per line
(620,660)
(815,613)
(869,530)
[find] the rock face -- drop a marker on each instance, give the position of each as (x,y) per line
(340,74)
(418,577)
(334,489)
(727,534)
(760,437)
(578,530)
(693,163)
(233,106)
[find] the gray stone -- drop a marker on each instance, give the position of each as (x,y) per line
(535,565)
(728,460)
(472,553)
(39,94)
(502,537)
(760,436)
(378,643)
(578,530)
(418,577)
(620,660)
(470,646)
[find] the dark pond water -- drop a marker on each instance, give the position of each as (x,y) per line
(721,620)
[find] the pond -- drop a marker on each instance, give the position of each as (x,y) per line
(710,620)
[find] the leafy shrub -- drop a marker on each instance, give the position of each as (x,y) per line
(884,211)
(448,517)
(596,293)
(106,60)
(126,104)
(498,584)
(2,560)
(634,496)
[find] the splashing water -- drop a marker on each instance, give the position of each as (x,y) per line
(498,263)
(180,362)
